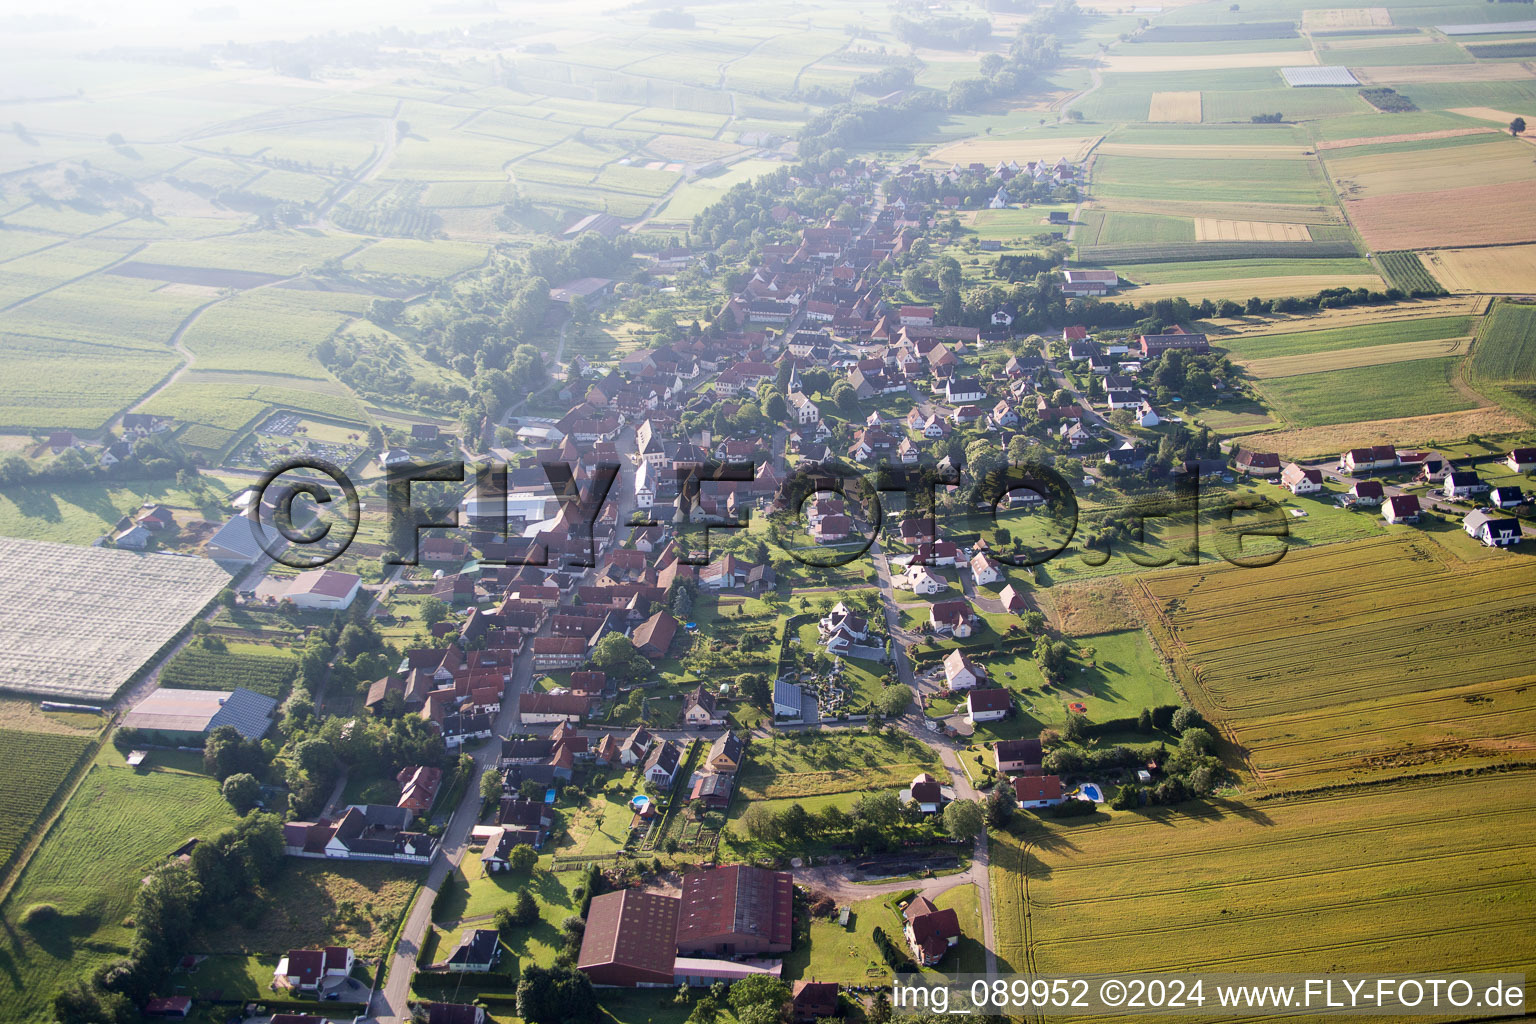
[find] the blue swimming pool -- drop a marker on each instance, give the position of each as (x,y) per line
(1092,792)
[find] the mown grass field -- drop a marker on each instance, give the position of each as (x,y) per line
(1329,666)
(1398,879)
(118,826)
(1345,395)
(1229,180)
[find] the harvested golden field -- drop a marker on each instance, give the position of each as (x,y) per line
(1379,140)
(1476,215)
(1502,117)
(1426,74)
(1398,879)
(1370,355)
(1209,229)
(1347,17)
(993,149)
(1229,211)
(1497,269)
(1131,63)
(1205,152)
(1332,665)
(1379,174)
(1305,442)
(1355,316)
(1175,106)
(1243,287)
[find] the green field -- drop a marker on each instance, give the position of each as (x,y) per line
(119,825)
(1236,269)
(40,762)
(1415,387)
(263,670)
(1506,344)
(1396,879)
(51,383)
(1099,228)
(1263,346)
(1215,180)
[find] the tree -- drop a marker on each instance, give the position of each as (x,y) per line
(880,1012)
(1517,126)
(757,990)
(433,611)
(705,1011)
(893,700)
(242,791)
(881,809)
(490,784)
(555,995)
(963,819)
(761,823)
(1000,806)
(615,655)
(523,857)
(1185,718)
(532,789)
(525,911)
(754,690)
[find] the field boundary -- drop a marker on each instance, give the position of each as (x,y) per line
(23,854)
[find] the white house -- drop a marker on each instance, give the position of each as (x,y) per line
(987,705)
(957,390)
(1521,460)
(1493,531)
(1300,480)
(323,589)
(1463,484)
(960,673)
(661,766)
(920,579)
(985,569)
(1146,416)
(1033,791)
(803,409)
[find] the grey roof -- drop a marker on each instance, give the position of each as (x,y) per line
(171,710)
(477,946)
(240,535)
(248,711)
(789,695)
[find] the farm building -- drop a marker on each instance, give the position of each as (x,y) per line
(1088,282)
(323,589)
(735,910)
(186,716)
(240,542)
(1156,344)
(630,939)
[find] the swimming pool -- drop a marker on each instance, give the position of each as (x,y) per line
(1092,792)
(640,802)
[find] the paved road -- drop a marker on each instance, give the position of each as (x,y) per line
(915,722)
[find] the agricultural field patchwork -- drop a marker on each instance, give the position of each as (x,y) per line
(1344,395)
(1505,269)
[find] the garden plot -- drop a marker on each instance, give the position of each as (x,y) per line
(78,622)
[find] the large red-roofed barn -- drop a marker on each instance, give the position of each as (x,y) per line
(736,910)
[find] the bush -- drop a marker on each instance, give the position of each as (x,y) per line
(1073,809)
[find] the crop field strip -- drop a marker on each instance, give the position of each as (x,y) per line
(1250,878)
(1391,604)
(37,764)
(1345,359)
(1506,343)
